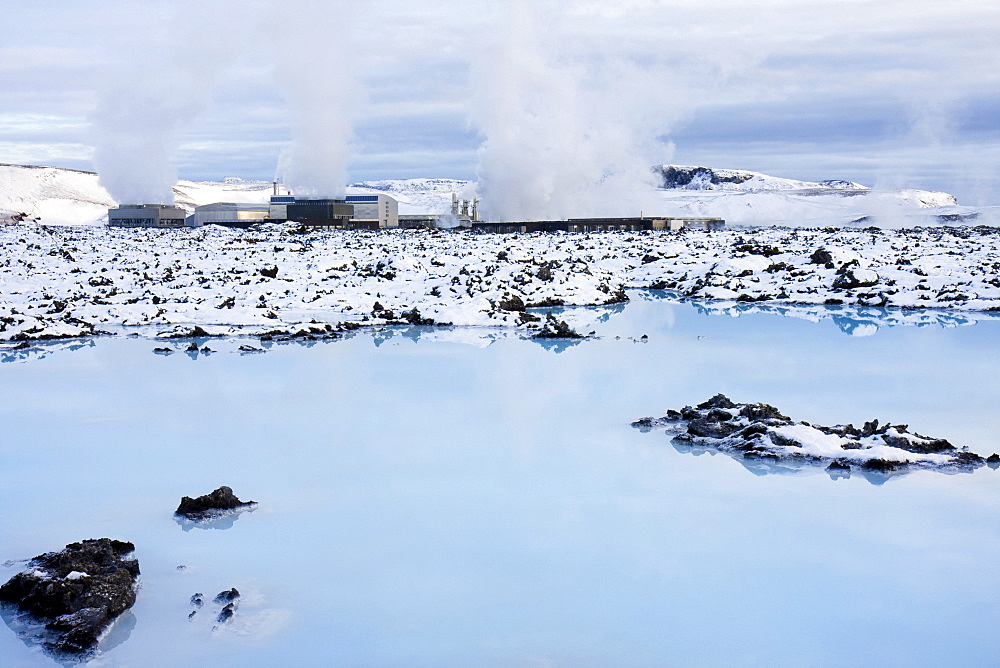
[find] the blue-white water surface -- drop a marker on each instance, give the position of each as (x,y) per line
(427,502)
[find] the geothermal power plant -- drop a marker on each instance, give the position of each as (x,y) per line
(375,212)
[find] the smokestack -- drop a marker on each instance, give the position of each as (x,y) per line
(454,204)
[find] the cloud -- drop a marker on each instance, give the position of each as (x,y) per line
(842,85)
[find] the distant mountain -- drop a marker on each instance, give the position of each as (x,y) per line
(707,178)
(759,199)
(418,196)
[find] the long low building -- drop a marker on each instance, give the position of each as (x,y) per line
(233,214)
(146,215)
(602,225)
(356,212)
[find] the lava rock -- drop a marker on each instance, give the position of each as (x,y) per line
(821,256)
(226,613)
(194,332)
(762,437)
(210,505)
(851,276)
(718,401)
(761,412)
(511,303)
(77,592)
(556,329)
(227,596)
(711,428)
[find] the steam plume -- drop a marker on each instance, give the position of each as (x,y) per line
(562,138)
(315,75)
(160,80)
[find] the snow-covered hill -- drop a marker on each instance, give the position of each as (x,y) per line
(750,198)
(706,178)
(68,197)
(418,196)
(51,194)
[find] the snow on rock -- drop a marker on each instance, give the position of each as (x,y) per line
(946,267)
(64,282)
(71,282)
(761,435)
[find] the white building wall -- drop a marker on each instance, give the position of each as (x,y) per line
(385,211)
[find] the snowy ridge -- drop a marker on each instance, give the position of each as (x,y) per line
(706,178)
(751,198)
(418,196)
(190,194)
(66,196)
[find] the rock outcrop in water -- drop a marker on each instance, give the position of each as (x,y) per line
(211,505)
(761,434)
(77,592)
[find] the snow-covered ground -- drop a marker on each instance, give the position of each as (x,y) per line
(81,279)
(61,282)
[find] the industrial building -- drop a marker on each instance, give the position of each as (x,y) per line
(380,209)
(146,215)
(230,214)
(356,212)
(333,213)
(602,225)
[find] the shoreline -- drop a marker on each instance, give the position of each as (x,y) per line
(65,283)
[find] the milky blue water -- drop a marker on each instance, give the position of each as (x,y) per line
(430,502)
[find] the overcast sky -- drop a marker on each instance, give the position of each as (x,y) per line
(893,93)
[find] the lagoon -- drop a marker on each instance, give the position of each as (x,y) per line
(465,496)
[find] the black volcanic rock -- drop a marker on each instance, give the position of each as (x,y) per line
(210,505)
(227,596)
(760,436)
(77,592)
(821,256)
(556,329)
